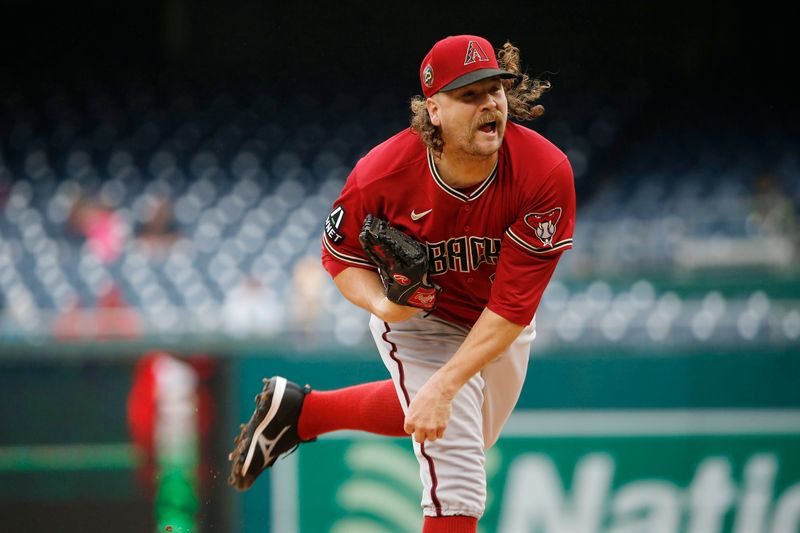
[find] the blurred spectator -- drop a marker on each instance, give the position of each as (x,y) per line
(252,308)
(308,281)
(69,324)
(772,211)
(103,230)
(158,230)
(110,318)
(115,318)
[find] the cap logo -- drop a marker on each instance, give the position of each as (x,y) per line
(475,53)
(427,76)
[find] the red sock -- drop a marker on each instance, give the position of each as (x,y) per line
(450,524)
(372,407)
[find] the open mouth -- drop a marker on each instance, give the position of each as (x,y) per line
(489,127)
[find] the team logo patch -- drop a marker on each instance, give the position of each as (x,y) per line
(333,223)
(427,76)
(475,53)
(401,279)
(544,224)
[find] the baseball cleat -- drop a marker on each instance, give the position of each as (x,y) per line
(270,433)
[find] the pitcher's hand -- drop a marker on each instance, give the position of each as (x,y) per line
(429,412)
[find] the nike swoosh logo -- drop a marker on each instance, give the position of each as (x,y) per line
(417,216)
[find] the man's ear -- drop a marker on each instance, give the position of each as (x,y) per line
(433,111)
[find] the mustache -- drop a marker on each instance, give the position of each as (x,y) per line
(490,116)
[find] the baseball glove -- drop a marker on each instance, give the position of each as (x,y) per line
(402,262)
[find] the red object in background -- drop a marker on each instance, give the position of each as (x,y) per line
(110,318)
(101,227)
(142,407)
(115,318)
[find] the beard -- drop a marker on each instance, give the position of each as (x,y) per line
(476,143)
(483,149)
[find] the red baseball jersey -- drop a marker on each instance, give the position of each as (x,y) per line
(493,245)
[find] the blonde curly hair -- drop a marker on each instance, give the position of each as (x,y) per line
(521,94)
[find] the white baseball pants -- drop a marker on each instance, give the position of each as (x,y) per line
(452,468)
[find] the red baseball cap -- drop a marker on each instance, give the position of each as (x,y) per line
(457,61)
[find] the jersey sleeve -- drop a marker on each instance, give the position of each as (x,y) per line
(340,245)
(532,246)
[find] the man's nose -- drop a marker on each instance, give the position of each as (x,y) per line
(488,101)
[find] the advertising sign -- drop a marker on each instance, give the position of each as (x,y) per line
(659,471)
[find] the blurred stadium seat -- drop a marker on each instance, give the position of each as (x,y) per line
(248,185)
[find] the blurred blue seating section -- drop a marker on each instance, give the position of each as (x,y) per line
(195,210)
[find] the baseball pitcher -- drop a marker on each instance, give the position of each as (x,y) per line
(448,234)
